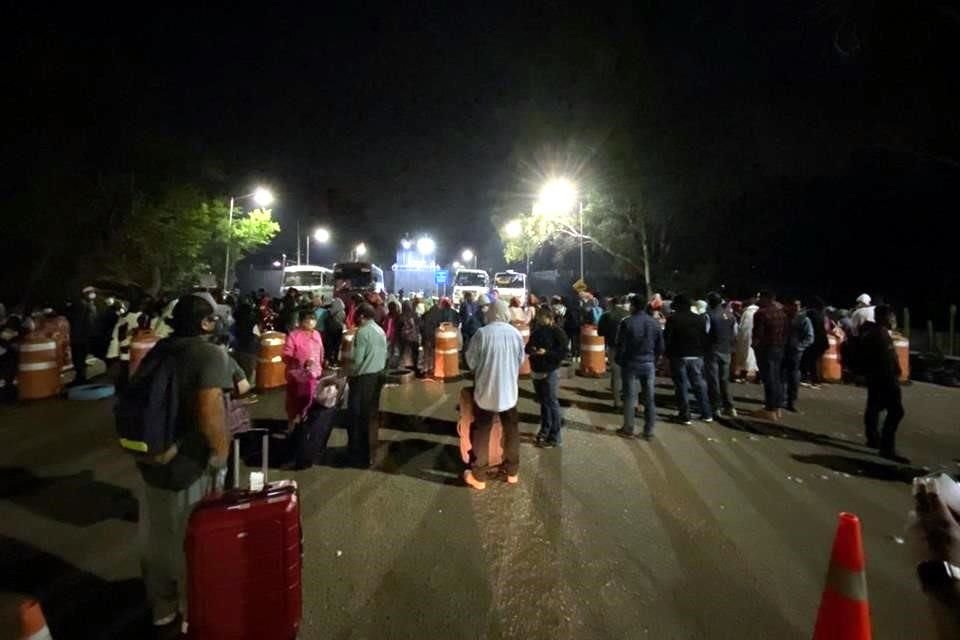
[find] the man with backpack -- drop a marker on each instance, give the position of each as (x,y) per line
(172,418)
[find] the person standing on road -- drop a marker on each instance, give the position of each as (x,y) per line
(810,362)
(685,337)
(366,380)
(571,324)
(547,346)
(468,320)
(303,356)
(880,364)
(770,330)
(333,329)
(607,327)
(83,326)
(720,343)
(171,490)
(799,339)
(495,355)
(639,344)
(429,324)
(745,358)
(864,312)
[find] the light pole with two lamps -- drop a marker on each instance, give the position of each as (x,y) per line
(263,197)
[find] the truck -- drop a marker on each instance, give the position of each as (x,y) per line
(357,277)
(476,281)
(509,285)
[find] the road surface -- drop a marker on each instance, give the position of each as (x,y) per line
(709,531)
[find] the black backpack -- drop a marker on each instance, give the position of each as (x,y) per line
(146,412)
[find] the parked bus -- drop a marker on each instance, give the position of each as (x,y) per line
(309,279)
(357,277)
(510,285)
(476,281)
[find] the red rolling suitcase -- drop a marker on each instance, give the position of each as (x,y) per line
(244,555)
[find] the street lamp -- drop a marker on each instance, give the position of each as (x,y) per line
(321,235)
(426,246)
(557,197)
(359,251)
(469,256)
(263,197)
(513,229)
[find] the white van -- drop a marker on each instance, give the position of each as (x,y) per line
(510,285)
(476,281)
(309,279)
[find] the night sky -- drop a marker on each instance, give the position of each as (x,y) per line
(379,119)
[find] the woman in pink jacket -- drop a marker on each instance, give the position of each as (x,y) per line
(303,355)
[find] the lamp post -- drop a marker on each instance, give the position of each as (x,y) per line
(263,197)
(468,257)
(321,235)
(359,251)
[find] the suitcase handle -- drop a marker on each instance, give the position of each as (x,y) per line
(264,456)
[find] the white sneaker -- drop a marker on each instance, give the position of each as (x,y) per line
(165,620)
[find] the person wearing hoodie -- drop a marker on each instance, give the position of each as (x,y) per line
(546,349)
(607,327)
(686,337)
(799,339)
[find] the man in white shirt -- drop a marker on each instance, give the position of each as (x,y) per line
(863,313)
(495,355)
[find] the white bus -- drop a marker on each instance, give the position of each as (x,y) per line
(308,279)
(476,281)
(510,285)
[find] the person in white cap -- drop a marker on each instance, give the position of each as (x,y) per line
(864,312)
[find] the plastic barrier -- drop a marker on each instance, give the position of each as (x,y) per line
(830,365)
(91,392)
(446,357)
(271,372)
(38,370)
(593,357)
(524,330)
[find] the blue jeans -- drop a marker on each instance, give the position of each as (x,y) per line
(769,361)
(551,417)
(688,373)
(637,377)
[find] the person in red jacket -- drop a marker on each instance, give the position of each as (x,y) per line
(770,329)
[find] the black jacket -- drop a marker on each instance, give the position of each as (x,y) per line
(609,323)
(551,338)
(722,331)
(686,334)
(877,355)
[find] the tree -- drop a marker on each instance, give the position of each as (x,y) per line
(248,231)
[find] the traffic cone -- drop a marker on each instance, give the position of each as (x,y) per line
(844,611)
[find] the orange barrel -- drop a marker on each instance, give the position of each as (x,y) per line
(830,367)
(446,356)
(593,357)
(143,340)
(902,345)
(271,372)
(524,330)
(346,349)
(38,371)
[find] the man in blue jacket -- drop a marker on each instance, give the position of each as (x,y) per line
(639,345)
(799,339)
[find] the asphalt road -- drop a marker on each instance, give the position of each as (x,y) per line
(710,531)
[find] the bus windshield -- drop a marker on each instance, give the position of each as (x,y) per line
(303,279)
(470,279)
(510,280)
(359,276)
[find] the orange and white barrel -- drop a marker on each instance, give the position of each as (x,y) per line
(524,330)
(271,372)
(346,349)
(38,370)
(143,340)
(58,330)
(593,360)
(446,355)
(902,346)
(831,369)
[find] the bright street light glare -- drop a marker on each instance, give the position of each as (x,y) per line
(361,250)
(467,255)
(514,229)
(426,246)
(557,196)
(406,243)
(321,235)
(457,265)
(262,196)
(277,263)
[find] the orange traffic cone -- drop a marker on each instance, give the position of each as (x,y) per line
(844,610)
